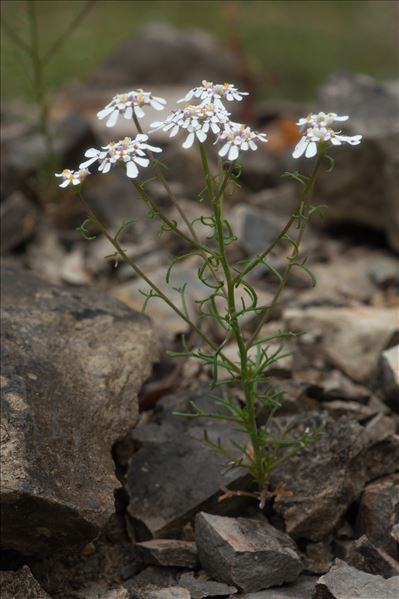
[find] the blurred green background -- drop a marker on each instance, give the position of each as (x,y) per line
(291,46)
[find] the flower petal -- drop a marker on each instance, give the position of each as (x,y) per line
(104,112)
(139,112)
(88,162)
(131,170)
(128,114)
(141,161)
(189,141)
(300,147)
(311,150)
(224,149)
(112,119)
(233,153)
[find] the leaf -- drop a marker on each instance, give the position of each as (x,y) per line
(331,160)
(84,232)
(303,180)
(307,270)
(122,228)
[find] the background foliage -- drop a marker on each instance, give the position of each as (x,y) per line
(292,46)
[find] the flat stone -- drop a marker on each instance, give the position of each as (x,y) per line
(73,363)
(379,512)
(168,552)
(339,464)
(346,582)
(248,553)
(159,505)
(302,588)
(168,593)
(334,385)
(160,508)
(352,338)
(201,587)
(21,585)
(388,376)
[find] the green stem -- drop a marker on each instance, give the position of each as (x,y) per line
(195,241)
(246,373)
(169,223)
(166,185)
(305,199)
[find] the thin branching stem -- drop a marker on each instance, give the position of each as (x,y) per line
(306,197)
(94,219)
(195,241)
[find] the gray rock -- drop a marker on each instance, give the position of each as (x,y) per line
(168,552)
(152,592)
(356,195)
(254,228)
(21,585)
(163,54)
(26,153)
(262,169)
(345,582)
(358,411)
(384,271)
(395,533)
(159,576)
(73,363)
(364,555)
(352,338)
(339,464)
(317,558)
(388,376)
(160,505)
(200,587)
(300,589)
(248,553)
(379,512)
(18,221)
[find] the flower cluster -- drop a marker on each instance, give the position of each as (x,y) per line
(317,129)
(211,116)
(238,137)
(214,93)
(195,120)
(130,151)
(128,103)
(72,177)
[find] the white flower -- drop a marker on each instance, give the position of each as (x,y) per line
(214,93)
(236,138)
(126,103)
(127,150)
(321,119)
(318,130)
(196,120)
(72,177)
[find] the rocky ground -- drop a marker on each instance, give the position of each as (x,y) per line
(105,493)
